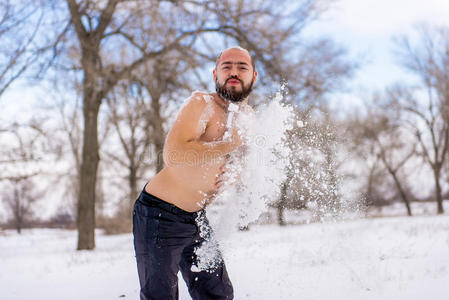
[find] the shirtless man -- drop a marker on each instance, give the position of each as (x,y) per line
(168,212)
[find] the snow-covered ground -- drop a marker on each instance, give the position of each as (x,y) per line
(384,258)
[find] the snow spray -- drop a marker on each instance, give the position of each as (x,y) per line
(253,175)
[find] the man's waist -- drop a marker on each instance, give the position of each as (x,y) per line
(151,200)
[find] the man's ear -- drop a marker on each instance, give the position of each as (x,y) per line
(214,72)
(255,76)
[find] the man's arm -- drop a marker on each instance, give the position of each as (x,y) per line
(183,146)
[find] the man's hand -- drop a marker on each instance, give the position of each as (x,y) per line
(219,178)
(227,172)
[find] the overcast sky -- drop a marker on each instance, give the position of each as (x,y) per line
(367,27)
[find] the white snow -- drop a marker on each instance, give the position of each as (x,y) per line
(383,258)
(253,175)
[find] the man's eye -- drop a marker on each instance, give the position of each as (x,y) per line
(226,68)
(243,68)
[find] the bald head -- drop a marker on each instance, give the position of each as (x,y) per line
(234,74)
(234,48)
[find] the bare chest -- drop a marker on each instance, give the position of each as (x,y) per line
(216,126)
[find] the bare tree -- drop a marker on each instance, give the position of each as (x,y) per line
(96,24)
(68,135)
(19,25)
(22,151)
(379,130)
(130,115)
(138,109)
(19,200)
(313,179)
(369,170)
(426,107)
(372,195)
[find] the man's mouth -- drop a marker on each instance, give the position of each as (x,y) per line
(233,81)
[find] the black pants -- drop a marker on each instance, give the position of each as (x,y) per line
(165,239)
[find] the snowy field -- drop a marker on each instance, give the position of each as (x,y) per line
(383,258)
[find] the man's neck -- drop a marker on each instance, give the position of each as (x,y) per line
(225,103)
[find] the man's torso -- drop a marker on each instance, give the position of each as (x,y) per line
(191,185)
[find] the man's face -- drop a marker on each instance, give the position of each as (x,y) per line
(234,75)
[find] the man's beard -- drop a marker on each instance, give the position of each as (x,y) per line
(231,94)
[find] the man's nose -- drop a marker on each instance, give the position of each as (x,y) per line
(233,71)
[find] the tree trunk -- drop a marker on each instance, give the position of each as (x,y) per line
(369,201)
(18,211)
(281,220)
(19,217)
(89,167)
(401,192)
(439,198)
(332,179)
(158,131)
(281,204)
(133,194)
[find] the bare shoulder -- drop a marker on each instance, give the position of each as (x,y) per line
(202,97)
(190,122)
(194,104)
